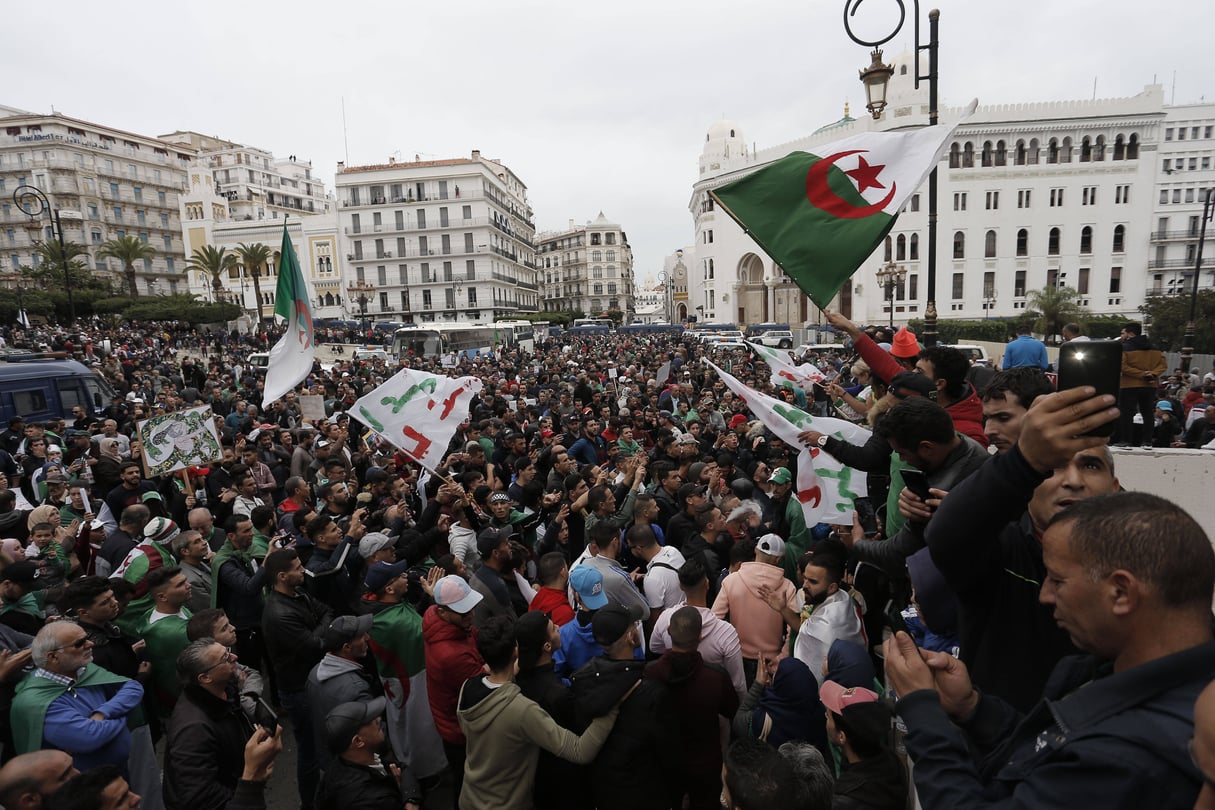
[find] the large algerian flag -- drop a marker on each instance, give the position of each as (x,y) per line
(786,373)
(820,216)
(291,358)
(825,488)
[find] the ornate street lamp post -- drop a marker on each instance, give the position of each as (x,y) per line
(33,201)
(890,276)
(362,293)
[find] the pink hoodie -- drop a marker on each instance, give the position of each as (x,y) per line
(760,628)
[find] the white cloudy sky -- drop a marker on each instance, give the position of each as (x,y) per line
(596,106)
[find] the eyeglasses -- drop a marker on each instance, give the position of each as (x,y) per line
(227,658)
(78,644)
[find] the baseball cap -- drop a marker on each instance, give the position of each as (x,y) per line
(836,697)
(736,420)
(151,496)
(588,584)
(687,490)
(24,573)
(375,475)
(780,475)
(453,593)
(491,537)
(531,631)
(612,622)
(160,530)
(323,443)
(345,629)
(910,384)
(1163,405)
(380,574)
(345,720)
(771,544)
(688,438)
(664,414)
(373,542)
(57,477)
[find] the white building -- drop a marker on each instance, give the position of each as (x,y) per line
(587,268)
(677,280)
(105,182)
(440,240)
(1030,195)
(650,302)
(1184,157)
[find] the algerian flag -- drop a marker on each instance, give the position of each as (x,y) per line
(291,358)
(664,373)
(820,216)
(785,373)
(824,486)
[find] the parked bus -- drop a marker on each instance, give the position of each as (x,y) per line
(517,334)
(436,340)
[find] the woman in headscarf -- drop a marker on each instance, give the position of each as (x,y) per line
(108,469)
(782,705)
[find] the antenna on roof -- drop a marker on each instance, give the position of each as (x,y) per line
(345,137)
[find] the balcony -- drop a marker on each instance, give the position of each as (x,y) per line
(1168,236)
(1179,264)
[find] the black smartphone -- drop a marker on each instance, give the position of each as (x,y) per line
(916,481)
(265,717)
(894,619)
(1092,362)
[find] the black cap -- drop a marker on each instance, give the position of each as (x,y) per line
(911,384)
(611,622)
(345,629)
(24,573)
(345,720)
(490,538)
(687,490)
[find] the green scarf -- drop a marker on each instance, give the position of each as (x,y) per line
(228,552)
(34,696)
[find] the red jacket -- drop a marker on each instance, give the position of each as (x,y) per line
(451,659)
(555,603)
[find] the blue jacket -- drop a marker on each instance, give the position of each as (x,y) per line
(1097,739)
(93,742)
(1025,351)
(578,646)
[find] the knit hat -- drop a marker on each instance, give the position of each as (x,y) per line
(160,530)
(736,420)
(904,345)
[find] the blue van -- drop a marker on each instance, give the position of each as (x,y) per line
(38,388)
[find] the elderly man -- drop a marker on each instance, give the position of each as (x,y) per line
(202,521)
(70,703)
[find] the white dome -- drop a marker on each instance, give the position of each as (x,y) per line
(723,129)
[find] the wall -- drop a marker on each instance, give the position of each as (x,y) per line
(1185,477)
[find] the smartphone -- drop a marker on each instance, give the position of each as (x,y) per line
(894,619)
(916,481)
(1093,362)
(265,717)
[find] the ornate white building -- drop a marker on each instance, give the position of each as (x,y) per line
(1184,162)
(587,268)
(1030,195)
(439,240)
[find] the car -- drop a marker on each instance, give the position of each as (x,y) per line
(975,354)
(720,335)
(778,338)
(369,354)
(806,349)
(259,362)
(727,345)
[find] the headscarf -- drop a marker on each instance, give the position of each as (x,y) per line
(43,514)
(108,448)
(791,702)
(849,665)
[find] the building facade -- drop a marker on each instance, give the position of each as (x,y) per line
(1056,194)
(105,183)
(587,269)
(439,240)
(650,302)
(1184,159)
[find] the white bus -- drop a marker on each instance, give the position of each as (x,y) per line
(608,322)
(437,340)
(517,334)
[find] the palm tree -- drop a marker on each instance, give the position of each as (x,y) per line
(128,250)
(1053,307)
(253,257)
(214,262)
(54,259)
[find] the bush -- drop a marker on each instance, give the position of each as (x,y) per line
(949,331)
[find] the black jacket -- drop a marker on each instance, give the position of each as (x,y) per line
(204,750)
(294,627)
(645,733)
(347,785)
(872,784)
(983,543)
(558,782)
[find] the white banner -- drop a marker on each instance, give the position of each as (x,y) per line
(786,374)
(174,441)
(825,487)
(418,412)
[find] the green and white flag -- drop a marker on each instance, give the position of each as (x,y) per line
(786,373)
(291,358)
(820,216)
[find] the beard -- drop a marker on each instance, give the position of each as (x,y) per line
(816,599)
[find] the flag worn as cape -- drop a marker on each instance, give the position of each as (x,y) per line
(819,216)
(824,487)
(291,358)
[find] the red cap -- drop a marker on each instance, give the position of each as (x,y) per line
(836,698)
(736,420)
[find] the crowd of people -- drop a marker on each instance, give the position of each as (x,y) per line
(607,595)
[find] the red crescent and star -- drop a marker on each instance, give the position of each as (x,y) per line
(821,196)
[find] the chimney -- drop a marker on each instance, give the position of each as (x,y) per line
(341,164)
(572,225)
(476,154)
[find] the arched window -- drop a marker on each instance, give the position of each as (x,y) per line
(1119,148)
(955,156)
(1001,153)
(889,249)
(1052,243)
(968,156)
(1065,151)
(959,245)
(987,153)
(1052,151)
(1086,150)
(989,245)
(900,248)
(1086,240)
(1132,147)
(1019,156)
(1023,242)
(1119,239)
(914,249)
(1099,148)
(596,255)
(1033,152)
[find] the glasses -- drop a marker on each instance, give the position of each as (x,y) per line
(78,644)
(227,658)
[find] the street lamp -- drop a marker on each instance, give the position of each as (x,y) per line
(33,201)
(989,303)
(668,304)
(361,292)
(890,275)
(875,78)
(458,287)
(1187,343)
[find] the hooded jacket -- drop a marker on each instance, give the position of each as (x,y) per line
(505,734)
(760,628)
(699,694)
(578,645)
(332,682)
(451,659)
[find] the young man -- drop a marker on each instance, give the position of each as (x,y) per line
(662,563)
(361,774)
(551,598)
(761,630)
(165,633)
(339,677)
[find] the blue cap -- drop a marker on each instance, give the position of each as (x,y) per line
(588,583)
(1165,405)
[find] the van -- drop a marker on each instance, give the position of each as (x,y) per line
(39,388)
(974,353)
(757,329)
(259,362)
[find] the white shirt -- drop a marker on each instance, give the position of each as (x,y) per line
(662,582)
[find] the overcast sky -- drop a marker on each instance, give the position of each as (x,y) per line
(595,106)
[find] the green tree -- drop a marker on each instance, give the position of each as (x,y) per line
(48,273)
(127,250)
(254,257)
(214,262)
(1051,307)
(1168,315)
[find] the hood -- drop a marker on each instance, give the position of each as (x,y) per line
(601,684)
(754,574)
(479,705)
(332,665)
(877,782)
(369,604)
(682,666)
(967,415)
(849,664)
(436,631)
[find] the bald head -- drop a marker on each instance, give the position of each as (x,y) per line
(26,780)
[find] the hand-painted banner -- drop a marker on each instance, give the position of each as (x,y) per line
(418,412)
(825,487)
(785,373)
(179,440)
